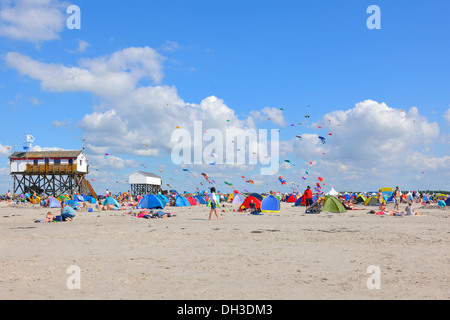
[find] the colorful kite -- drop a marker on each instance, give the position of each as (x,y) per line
(187,170)
(288,161)
(281,179)
(323,140)
(206,177)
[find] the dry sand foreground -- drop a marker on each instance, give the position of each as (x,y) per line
(289,255)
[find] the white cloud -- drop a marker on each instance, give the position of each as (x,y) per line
(107,76)
(447,116)
(61,123)
(267,113)
(5,150)
(32,20)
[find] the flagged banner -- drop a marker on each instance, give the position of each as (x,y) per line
(30,138)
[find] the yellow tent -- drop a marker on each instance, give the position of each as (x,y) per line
(35,201)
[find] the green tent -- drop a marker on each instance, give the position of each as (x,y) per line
(332,204)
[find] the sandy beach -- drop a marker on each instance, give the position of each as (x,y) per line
(287,255)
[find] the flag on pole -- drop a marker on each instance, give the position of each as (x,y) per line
(30,138)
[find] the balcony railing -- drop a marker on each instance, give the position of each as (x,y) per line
(51,168)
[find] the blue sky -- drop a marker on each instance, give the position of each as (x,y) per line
(148,66)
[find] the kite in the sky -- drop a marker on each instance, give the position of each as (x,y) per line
(320,179)
(282,180)
(306,116)
(322,139)
(160,170)
(300,137)
(288,161)
(303,178)
(206,177)
(187,170)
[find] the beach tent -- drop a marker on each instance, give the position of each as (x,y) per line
(150,201)
(78,198)
(62,196)
(111,200)
(441,203)
(181,201)
(34,201)
(332,204)
(238,199)
(74,204)
(270,204)
(440,196)
(200,199)
(300,201)
(163,199)
(246,203)
(291,198)
(191,201)
(332,192)
(90,199)
(53,202)
(360,199)
(447,202)
(256,195)
(372,201)
(346,197)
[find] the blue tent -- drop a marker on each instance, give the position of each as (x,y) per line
(298,202)
(164,198)
(111,200)
(53,202)
(74,204)
(90,199)
(150,201)
(79,198)
(447,202)
(270,204)
(200,199)
(181,201)
(441,203)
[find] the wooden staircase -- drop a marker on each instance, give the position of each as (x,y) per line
(87,184)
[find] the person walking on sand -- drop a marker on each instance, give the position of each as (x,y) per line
(397,198)
(213,203)
(308,197)
(380,199)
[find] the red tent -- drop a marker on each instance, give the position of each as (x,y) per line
(192,201)
(291,198)
(246,203)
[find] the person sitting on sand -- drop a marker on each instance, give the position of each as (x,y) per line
(252,207)
(410,211)
(67,213)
